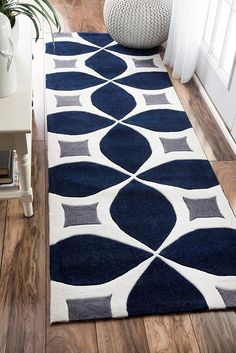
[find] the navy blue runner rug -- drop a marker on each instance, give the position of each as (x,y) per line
(138,222)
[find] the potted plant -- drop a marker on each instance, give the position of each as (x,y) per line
(33,10)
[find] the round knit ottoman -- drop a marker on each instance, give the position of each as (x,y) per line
(138,23)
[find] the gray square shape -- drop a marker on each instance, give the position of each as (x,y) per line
(144,63)
(202,208)
(156,99)
(79,148)
(89,308)
(63,101)
(63,34)
(175,145)
(228,296)
(63,64)
(80,215)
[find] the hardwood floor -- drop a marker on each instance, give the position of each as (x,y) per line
(24,279)
(3,210)
(215,331)
(226,174)
(170,333)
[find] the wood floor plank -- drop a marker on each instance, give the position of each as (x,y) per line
(93,16)
(74,18)
(209,133)
(226,174)
(170,334)
(215,331)
(84,16)
(72,338)
(101,2)
(3,210)
(22,282)
(61,9)
(122,336)
(7,268)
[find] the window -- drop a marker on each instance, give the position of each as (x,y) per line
(219,40)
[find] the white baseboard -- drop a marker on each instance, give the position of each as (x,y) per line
(215,113)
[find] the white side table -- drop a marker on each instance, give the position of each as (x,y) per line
(16,119)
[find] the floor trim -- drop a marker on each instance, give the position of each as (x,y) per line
(215,113)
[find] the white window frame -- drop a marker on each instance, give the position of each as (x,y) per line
(208,48)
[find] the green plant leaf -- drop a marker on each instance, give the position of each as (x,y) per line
(13,8)
(36,29)
(47,3)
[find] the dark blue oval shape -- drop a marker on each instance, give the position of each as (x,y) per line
(71,80)
(113,100)
(164,120)
(68,48)
(76,122)
(89,260)
(186,174)
(82,179)
(132,51)
(147,80)
(161,290)
(125,147)
(106,64)
(143,213)
(211,250)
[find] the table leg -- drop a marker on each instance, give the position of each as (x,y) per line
(25,184)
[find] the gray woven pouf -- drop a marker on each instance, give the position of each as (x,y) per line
(138,23)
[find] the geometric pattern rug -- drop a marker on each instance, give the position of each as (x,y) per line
(138,222)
